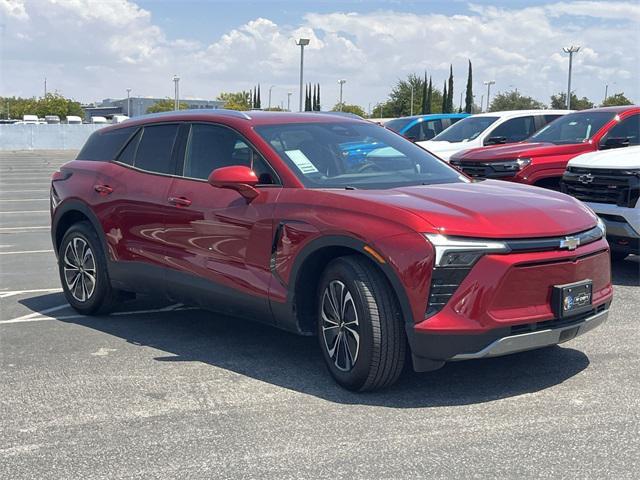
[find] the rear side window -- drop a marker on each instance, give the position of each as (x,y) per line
(549,118)
(104,146)
(155,148)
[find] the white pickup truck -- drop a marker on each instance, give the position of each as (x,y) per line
(609,182)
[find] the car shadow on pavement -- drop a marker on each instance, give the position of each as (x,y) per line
(626,272)
(293,362)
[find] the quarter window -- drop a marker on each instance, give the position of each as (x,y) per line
(104,146)
(155,148)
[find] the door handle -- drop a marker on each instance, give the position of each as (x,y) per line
(103,189)
(179,201)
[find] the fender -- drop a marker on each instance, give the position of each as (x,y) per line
(78,206)
(286,314)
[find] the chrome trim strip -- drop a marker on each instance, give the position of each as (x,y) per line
(533,340)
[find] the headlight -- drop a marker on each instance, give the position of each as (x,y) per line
(602,227)
(462,252)
(511,165)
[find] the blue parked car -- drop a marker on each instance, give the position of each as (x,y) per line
(419,128)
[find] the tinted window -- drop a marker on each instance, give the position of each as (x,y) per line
(104,146)
(128,154)
(515,130)
(466,129)
(398,124)
(354,155)
(213,146)
(155,148)
(550,118)
(628,128)
(573,128)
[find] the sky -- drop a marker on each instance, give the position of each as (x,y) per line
(95,49)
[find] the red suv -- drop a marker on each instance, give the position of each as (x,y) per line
(542,159)
(277,217)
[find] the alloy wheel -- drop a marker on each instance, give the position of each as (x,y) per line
(79,269)
(340,327)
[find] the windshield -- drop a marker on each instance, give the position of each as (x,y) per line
(573,128)
(398,124)
(354,155)
(465,130)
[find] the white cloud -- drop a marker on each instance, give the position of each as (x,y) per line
(93,49)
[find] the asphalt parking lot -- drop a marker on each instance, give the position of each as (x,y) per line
(164,391)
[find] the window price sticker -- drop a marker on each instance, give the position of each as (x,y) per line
(301,161)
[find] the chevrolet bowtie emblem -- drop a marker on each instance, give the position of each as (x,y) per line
(570,243)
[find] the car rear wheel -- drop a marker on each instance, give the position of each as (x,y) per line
(360,328)
(83,271)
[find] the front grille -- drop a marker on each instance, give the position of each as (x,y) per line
(557,322)
(444,283)
(481,170)
(602,186)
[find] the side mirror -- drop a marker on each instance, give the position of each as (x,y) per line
(614,142)
(495,140)
(239,178)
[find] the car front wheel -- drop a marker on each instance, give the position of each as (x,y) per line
(360,327)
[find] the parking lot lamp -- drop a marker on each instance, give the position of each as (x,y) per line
(270,88)
(128,102)
(570,50)
(176,81)
(488,83)
(289,101)
(341,82)
(302,42)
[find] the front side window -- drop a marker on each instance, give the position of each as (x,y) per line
(627,131)
(466,129)
(573,128)
(155,148)
(515,129)
(354,155)
(398,124)
(213,146)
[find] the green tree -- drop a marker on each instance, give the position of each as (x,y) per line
(318,104)
(345,107)
(165,105)
(559,101)
(514,100)
(425,95)
(258,100)
(445,99)
(450,91)
(468,100)
(236,100)
(616,100)
(51,104)
(429,97)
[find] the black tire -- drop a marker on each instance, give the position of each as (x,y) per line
(618,256)
(102,297)
(380,355)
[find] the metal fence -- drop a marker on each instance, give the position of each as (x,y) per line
(45,137)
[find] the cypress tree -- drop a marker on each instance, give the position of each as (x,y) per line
(318,104)
(424,94)
(445,99)
(253,98)
(258,103)
(429,96)
(450,91)
(468,102)
(314,106)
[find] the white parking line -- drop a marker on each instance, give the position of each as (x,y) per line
(30,191)
(16,229)
(41,316)
(4,200)
(24,211)
(21,252)
(12,293)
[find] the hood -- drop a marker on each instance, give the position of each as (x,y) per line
(487,209)
(623,158)
(520,150)
(444,149)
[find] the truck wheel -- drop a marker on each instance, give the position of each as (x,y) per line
(360,327)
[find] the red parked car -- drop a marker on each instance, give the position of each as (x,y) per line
(542,159)
(272,217)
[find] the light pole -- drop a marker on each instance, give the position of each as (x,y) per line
(302,42)
(570,50)
(176,103)
(481,102)
(289,101)
(606,92)
(270,88)
(341,82)
(128,102)
(488,83)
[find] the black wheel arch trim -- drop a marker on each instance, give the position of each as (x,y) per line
(345,241)
(83,208)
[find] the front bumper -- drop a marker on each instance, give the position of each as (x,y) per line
(623,226)
(431,351)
